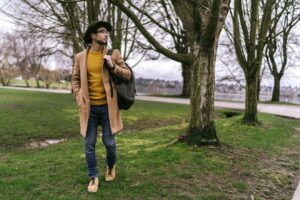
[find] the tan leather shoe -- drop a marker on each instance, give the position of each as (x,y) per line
(110,173)
(93,185)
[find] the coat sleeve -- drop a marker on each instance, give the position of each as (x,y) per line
(121,70)
(75,79)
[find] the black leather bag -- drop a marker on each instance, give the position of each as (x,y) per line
(125,88)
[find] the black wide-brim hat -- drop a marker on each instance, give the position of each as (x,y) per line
(92,28)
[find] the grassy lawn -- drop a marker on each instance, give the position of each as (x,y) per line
(261,161)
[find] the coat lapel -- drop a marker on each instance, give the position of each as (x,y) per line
(83,76)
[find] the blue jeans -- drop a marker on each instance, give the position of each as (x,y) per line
(99,116)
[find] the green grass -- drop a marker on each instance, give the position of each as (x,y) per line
(261,161)
(31,115)
(272,135)
(28,115)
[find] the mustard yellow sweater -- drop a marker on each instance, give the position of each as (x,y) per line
(95,82)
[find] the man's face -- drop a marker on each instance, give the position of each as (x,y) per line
(101,36)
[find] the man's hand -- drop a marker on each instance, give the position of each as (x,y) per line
(107,58)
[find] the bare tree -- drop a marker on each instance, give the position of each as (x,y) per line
(27,52)
(64,22)
(8,69)
(161,18)
(250,27)
(8,72)
(229,64)
(180,39)
(203,21)
(18,55)
(286,17)
(48,76)
(36,52)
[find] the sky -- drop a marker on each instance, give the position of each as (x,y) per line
(4,20)
(171,70)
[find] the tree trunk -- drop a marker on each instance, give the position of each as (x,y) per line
(37,82)
(250,115)
(117,43)
(26,81)
(258,88)
(201,128)
(3,82)
(2,79)
(276,89)
(186,74)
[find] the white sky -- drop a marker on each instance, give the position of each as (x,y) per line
(171,70)
(4,20)
(167,70)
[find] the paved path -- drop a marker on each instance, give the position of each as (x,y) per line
(284,110)
(297,193)
(39,89)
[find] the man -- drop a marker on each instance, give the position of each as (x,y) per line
(92,90)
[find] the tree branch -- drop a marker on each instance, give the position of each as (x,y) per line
(184,58)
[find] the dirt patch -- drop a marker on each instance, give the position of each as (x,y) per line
(249,174)
(44,143)
(297,129)
(148,123)
(252,174)
(12,107)
(144,124)
(297,174)
(266,176)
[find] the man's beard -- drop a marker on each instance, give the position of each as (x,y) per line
(102,43)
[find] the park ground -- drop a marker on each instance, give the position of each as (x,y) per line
(259,162)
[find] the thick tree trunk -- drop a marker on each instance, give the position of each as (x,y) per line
(276,89)
(186,74)
(250,115)
(201,128)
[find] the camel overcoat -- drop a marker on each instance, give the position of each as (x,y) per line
(79,83)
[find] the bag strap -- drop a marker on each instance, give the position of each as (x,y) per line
(110,52)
